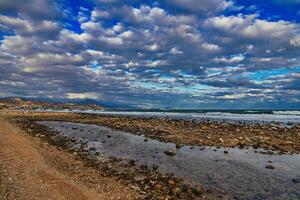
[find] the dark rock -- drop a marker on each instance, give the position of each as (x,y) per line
(144,166)
(131,162)
(154,167)
(270,167)
(92,149)
(296,180)
(178,146)
(169,153)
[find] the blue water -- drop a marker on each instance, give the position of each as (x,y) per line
(252,116)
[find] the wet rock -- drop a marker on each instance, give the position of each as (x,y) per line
(270,167)
(225,152)
(154,167)
(131,162)
(108,136)
(144,166)
(92,148)
(296,180)
(169,153)
(178,146)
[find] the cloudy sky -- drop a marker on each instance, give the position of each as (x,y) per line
(153,54)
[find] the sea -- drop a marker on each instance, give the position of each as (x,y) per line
(289,117)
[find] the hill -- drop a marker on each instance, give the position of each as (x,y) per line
(26,104)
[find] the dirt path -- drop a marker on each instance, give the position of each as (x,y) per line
(32,169)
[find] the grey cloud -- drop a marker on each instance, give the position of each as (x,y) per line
(35,9)
(150,54)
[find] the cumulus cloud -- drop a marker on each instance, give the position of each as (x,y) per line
(144,53)
(35,9)
(206,7)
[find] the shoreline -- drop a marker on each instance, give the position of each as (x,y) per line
(143,179)
(267,136)
(31,168)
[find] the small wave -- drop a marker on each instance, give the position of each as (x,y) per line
(294,112)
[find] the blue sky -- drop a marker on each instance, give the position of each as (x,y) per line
(183,54)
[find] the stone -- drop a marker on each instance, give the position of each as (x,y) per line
(178,146)
(169,153)
(176,190)
(171,182)
(221,140)
(270,167)
(92,149)
(154,167)
(296,180)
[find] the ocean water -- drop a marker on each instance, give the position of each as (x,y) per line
(291,117)
(285,117)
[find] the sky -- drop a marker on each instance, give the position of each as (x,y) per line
(182,54)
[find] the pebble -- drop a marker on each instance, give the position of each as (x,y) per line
(169,153)
(171,182)
(296,180)
(270,167)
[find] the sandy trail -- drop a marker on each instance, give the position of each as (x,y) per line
(31,169)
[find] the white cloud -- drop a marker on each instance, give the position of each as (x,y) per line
(295,41)
(86,95)
(210,47)
(233,59)
(175,51)
(251,27)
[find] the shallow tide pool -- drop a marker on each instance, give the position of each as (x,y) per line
(240,172)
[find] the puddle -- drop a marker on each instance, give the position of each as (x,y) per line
(240,172)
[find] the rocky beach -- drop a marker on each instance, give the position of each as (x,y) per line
(151,155)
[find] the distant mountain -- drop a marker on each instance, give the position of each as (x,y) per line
(35,104)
